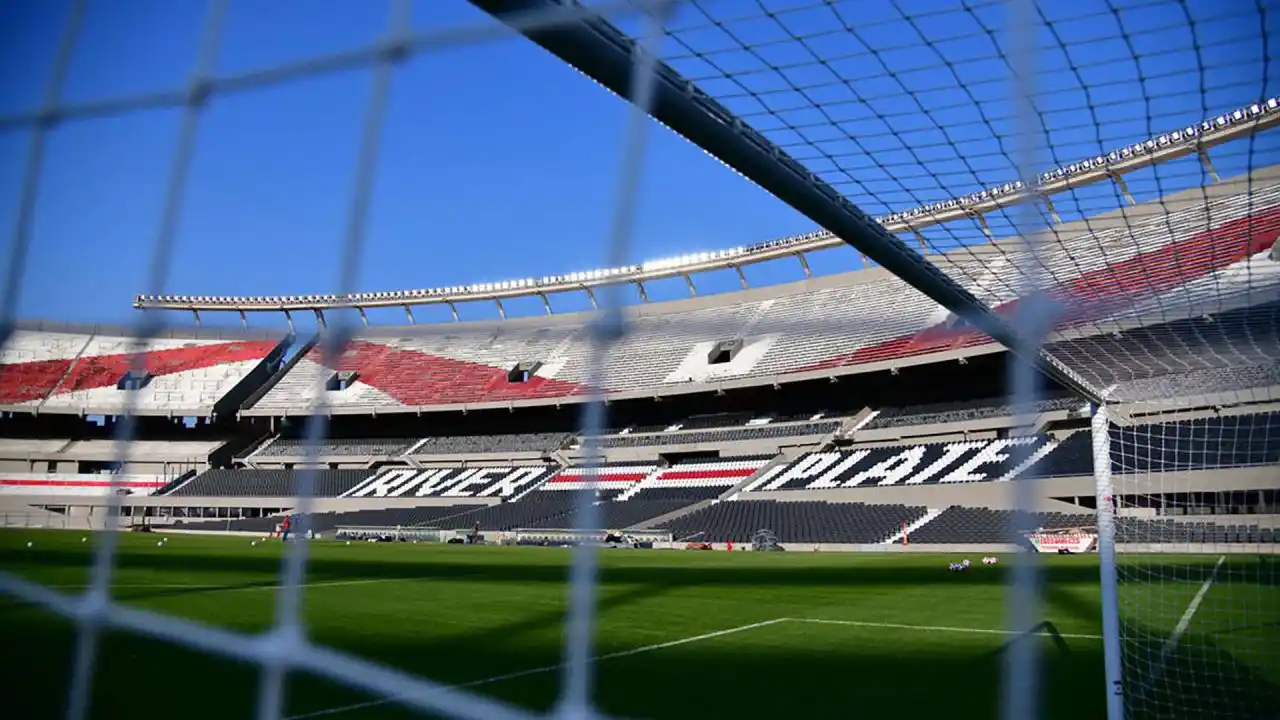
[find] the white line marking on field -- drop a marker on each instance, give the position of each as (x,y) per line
(234,588)
(936,628)
(683,641)
(1185,621)
(550,668)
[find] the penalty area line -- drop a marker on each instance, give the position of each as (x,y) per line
(231,588)
(1184,622)
(1170,647)
(695,638)
(940,628)
(548,668)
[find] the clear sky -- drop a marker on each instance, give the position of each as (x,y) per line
(499,162)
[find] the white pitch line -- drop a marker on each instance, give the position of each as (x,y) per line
(235,588)
(1185,621)
(937,628)
(550,668)
(684,641)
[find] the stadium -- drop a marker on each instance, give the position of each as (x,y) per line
(555,493)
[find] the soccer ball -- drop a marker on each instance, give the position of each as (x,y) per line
(348,542)
(28,543)
(253,543)
(84,539)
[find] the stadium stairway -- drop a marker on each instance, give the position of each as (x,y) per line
(654,522)
(654,480)
(857,422)
(780,461)
(649,480)
(177,482)
(911,527)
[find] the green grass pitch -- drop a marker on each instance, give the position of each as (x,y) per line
(900,636)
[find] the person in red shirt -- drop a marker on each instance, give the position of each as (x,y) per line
(284,528)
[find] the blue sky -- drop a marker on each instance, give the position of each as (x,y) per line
(499,162)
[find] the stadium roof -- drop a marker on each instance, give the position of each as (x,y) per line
(1111,167)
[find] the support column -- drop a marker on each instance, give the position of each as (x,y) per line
(804,263)
(1208,165)
(1053,212)
(982,223)
(1103,491)
(1118,179)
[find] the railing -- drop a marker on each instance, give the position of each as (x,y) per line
(390,533)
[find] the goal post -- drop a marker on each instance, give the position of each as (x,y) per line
(1186,514)
(1103,496)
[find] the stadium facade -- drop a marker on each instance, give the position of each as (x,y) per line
(730,414)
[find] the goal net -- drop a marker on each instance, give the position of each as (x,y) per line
(1087,190)
(1195,564)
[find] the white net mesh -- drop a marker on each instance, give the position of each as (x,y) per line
(1079,196)
(1196,570)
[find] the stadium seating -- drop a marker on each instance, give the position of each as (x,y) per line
(766,431)
(694,480)
(981,409)
(977,525)
(479,444)
(427,516)
(614,514)
(1073,457)
(268,483)
(958,525)
(336,447)
(1142,530)
(536,442)
(71,372)
(614,476)
(1112,272)
(910,464)
(539,509)
(1236,441)
(1235,349)
(798,522)
(21,483)
(473,481)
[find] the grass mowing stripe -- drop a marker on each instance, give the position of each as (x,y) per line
(549,668)
(937,628)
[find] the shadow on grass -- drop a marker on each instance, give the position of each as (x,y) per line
(819,674)
(767,675)
(504,568)
(1198,678)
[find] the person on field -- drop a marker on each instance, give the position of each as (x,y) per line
(284,528)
